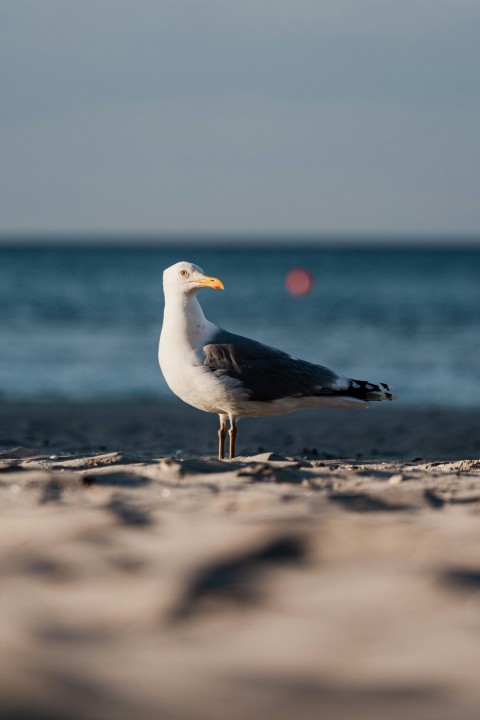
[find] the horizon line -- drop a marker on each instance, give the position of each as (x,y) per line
(246,238)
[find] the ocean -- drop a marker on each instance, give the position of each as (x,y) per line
(82,322)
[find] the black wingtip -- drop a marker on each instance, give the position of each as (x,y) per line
(368,391)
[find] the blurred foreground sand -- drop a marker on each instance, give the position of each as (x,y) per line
(331,571)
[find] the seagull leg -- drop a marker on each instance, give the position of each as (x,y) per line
(233,434)
(221,436)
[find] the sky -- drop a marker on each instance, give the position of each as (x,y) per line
(258,116)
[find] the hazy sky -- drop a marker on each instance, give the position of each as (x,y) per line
(248,115)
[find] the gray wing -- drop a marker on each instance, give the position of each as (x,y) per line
(266,373)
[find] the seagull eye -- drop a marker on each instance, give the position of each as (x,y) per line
(184,273)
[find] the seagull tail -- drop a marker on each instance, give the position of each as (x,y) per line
(369,391)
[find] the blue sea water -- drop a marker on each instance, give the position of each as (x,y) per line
(83,321)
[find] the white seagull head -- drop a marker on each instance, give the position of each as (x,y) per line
(184,278)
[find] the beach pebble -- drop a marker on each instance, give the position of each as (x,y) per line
(396,479)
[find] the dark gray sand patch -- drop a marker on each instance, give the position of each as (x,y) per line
(266,473)
(377,474)
(462,578)
(459,497)
(45,568)
(362,502)
(52,492)
(433,499)
(10,466)
(237,578)
(192,466)
(119,478)
(128,513)
(178,468)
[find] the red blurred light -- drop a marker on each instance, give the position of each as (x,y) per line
(298,281)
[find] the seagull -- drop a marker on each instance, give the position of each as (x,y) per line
(219,372)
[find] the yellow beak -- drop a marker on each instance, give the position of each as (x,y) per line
(211,282)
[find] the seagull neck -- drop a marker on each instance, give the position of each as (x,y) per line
(184,319)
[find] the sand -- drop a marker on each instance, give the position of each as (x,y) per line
(333,570)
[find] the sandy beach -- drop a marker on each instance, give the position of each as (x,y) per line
(332,570)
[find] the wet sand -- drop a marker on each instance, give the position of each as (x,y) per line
(332,570)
